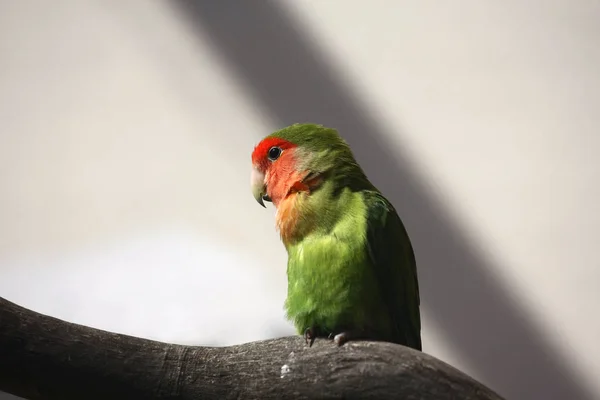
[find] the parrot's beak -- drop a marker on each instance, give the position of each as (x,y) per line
(259,189)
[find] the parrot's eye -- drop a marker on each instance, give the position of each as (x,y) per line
(274,153)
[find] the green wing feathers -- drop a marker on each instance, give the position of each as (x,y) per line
(393,261)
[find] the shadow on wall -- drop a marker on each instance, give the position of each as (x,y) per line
(266,49)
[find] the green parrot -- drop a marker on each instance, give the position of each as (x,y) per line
(351,267)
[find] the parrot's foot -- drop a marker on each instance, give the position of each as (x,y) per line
(347,336)
(310,334)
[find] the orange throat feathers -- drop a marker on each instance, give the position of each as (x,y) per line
(289,214)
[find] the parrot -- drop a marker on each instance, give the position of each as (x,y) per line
(351,267)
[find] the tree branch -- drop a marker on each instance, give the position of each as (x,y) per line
(45,358)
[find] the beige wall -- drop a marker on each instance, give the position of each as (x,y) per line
(126,135)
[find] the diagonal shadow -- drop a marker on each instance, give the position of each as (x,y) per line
(264,47)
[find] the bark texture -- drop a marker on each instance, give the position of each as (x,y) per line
(46,358)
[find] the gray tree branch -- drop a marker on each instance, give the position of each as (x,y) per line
(46,358)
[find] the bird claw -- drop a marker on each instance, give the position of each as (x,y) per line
(344,337)
(340,339)
(310,336)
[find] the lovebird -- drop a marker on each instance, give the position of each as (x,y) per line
(351,267)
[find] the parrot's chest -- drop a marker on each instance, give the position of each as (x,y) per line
(322,274)
(328,282)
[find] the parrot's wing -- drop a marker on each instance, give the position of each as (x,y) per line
(393,259)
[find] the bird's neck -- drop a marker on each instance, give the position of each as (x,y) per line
(304,212)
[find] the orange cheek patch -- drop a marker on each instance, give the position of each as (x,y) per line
(282,177)
(284,182)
